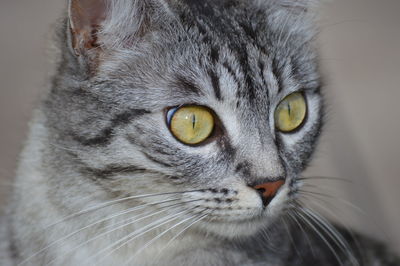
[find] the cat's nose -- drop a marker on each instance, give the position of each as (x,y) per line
(268,190)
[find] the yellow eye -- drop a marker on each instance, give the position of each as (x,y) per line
(191,124)
(291,112)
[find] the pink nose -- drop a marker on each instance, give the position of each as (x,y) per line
(268,190)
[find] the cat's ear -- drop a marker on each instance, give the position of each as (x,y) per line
(100,26)
(85,19)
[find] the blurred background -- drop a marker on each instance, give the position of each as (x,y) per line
(360,58)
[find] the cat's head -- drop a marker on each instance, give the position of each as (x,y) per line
(220,99)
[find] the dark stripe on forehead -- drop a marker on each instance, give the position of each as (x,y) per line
(214,54)
(105,135)
(277,71)
(186,86)
(261,66)
(215,85)
(249,31)
(248,86)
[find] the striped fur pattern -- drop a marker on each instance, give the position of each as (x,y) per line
(103,182)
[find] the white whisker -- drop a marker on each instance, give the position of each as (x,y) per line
(330,178)
(345,202)
(180,233)
(332,232)
(158,237)
(294,218)
(135,234)
(124,223)
(91,225)
(112,202)
(333,214)
(291,238)
(305,219)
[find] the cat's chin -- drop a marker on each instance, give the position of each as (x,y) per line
(237,230)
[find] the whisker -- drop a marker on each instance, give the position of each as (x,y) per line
(123,224)
(291,238)
(330,178)
(332,232)
(348,230)
(135,234)
(112,202)
(315,194)
(181,232)
(158,237)
(338,234)
(91,225)
(319,187)
(268,243)
(324,197)
(294,218)
(305,219)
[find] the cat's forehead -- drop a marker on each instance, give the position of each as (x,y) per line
(222,51)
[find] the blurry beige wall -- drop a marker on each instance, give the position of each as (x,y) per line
(360,46)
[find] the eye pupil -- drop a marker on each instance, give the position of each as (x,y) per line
(194,120)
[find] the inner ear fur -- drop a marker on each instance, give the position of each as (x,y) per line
(85,17)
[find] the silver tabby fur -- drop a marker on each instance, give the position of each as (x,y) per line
(100,141)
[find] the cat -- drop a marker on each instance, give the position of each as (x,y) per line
(175,133)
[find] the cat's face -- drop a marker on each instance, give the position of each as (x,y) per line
(232,65)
